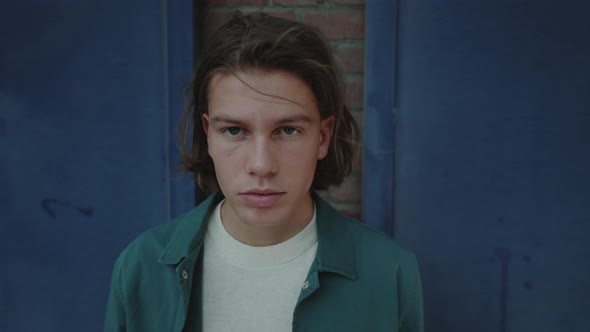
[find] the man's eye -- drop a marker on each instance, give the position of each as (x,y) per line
(289,131)
(233,131)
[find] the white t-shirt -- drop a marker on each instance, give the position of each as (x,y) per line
(248,288)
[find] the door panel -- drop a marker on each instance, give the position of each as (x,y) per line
(491,184)
(89,92)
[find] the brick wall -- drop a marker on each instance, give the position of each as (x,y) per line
(342,21)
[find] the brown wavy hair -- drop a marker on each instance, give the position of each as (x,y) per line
(262,42)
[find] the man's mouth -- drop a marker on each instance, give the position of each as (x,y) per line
(261,198)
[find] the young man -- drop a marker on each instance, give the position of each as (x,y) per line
(264,252)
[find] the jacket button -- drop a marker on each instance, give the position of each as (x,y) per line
(184,275)
(306,284)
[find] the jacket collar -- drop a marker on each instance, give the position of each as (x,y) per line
(336,251)
(187,238)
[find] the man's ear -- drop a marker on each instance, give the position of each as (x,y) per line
(326,131)
(205,119)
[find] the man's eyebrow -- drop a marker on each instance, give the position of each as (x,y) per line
(290,119)
(221,118)
(295,118)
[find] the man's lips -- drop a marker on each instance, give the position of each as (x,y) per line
(261,198)
(261,191)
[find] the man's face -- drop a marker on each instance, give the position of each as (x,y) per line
(265,137)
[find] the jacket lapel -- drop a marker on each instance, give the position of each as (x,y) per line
(336,251)
(183,250)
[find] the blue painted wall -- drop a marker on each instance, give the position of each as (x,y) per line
(490,174)
(379,117)
(90,92)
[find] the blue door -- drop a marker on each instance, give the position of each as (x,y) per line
(482,109)
(90,92)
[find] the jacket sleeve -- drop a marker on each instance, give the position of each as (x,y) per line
(115,313)
(411,316)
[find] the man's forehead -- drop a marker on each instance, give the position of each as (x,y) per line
(263,84)
(243,92)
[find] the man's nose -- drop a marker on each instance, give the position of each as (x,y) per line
(261,159)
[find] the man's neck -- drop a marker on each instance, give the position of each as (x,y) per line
(267,235)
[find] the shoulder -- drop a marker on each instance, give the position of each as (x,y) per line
(372,249)
(174,237)
(150,245)
(151,242)
(371,242)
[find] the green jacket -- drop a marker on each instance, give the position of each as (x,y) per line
(360,279)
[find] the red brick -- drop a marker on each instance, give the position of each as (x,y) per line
(357,166)
(349,2)
(348,192)
(228,3)
(288,15)
(297,2)
(339,25)
(353,212)
(359,117)
(351,58)
(215,19)
(354,94)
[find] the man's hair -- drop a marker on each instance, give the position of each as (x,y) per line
(258,41)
